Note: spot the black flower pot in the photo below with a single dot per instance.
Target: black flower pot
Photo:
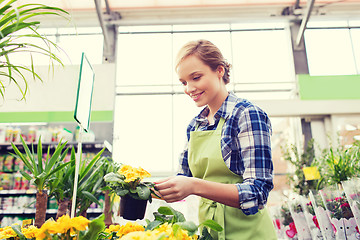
(131, 208)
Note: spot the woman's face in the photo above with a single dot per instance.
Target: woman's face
(202, 84)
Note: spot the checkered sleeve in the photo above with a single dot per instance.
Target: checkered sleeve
(255, 153)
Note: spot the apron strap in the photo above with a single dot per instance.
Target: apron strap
(221, 123)
(215, 211)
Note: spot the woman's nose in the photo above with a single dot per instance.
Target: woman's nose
(189, 88)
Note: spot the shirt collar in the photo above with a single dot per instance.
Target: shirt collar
(224, 111)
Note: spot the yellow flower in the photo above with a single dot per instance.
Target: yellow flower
(128, 228)
(7, 232)
(64, 224)
(131, 174)
(30, 231)
(140, 235)
(50, 227)
(79, 223)
(112, 228)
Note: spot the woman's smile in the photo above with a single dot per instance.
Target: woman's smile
(196, 97)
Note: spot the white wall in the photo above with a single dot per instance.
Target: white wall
(58, 90)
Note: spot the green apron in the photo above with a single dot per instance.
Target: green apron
(206, 162)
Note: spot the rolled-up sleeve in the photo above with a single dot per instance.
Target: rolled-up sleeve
(256, 162)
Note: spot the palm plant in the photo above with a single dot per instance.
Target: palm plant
(18, 32)
(41, 173)
(89, 187)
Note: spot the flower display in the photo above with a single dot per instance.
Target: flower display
(321, 218)
(339, 211)
(352, 192)
(299, 225)
(169, 224)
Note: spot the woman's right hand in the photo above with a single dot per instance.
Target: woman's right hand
(176, 188)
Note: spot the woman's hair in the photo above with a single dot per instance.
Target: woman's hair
(208, 53)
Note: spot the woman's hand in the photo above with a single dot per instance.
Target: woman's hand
(176, 188)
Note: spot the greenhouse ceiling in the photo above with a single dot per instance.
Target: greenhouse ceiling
(147, 12)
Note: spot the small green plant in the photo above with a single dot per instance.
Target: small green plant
(338, 164)
(178, 221)
(300, 160)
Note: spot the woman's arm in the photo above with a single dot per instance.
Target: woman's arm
(176, 188)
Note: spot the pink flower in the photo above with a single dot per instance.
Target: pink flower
(316, 222)
(345, 205)
(338, 199)
(292, 231)
(278, 224)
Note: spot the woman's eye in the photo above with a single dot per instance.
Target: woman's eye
(183, 83)
(196, 78)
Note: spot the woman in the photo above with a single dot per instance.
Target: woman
(227, 160)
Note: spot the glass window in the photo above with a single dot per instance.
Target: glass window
(262, 61)
(144, 59)
(355, 37)
(329, 52)
(74, 45)
(142, 132)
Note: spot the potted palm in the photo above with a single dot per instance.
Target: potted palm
(89, 187)
(41, 172)
(18, 34)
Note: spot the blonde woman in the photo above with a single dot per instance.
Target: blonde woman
(227, 160)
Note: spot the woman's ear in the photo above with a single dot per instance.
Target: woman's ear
(221, 71)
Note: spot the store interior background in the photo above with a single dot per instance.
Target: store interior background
(309, 90)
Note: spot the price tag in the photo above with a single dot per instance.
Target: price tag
(311, 173)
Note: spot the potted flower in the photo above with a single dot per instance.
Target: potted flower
(135, 193)
(322, 218)
(352, 191)
(298, 215)
(339, 212)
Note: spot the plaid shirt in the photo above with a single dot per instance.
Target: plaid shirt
(245, 147)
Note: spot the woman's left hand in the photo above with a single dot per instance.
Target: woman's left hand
(176, 188)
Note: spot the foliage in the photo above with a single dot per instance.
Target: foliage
(339, 164)
(41, 173)
(65, 228)
(18, 32)
(168, 224)
(299, 161)
(128, 181)
(90, 181)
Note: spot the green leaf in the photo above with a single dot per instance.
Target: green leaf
(39, 154)
(17, 230)
(205, 235)
(152, 225)
(143, 192)
(190, 226)
(96, 226)
(91, 197)
(92, 162)
(212, 225)
(113, 177)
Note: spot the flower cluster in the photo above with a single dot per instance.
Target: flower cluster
(132, 174)
(134, 231)
(64, 228)
(7, 232)
(339, 207)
